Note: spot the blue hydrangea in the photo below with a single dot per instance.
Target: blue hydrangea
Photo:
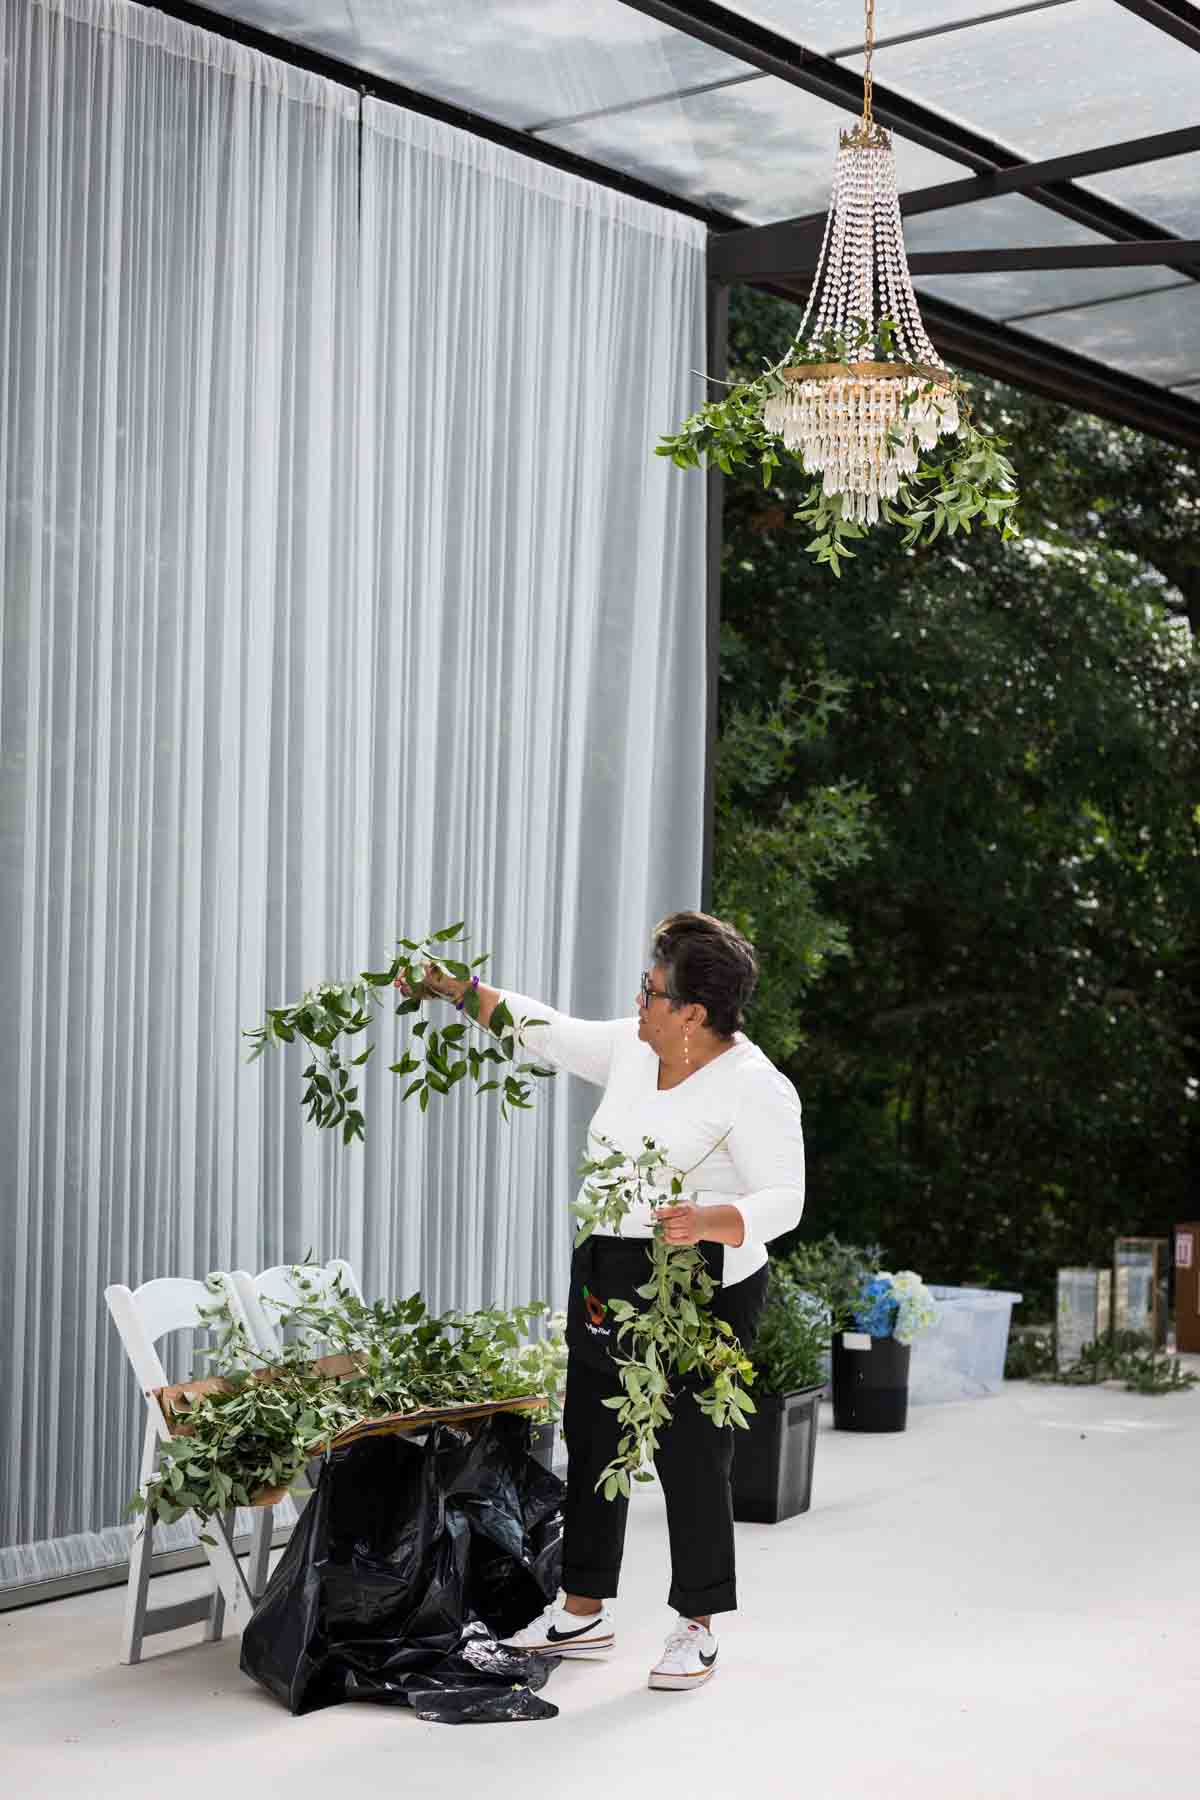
(876, 1307)
(898, 1306)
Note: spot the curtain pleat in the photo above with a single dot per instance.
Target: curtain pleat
(342, 597)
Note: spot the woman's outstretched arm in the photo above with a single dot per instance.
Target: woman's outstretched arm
(582, 1047)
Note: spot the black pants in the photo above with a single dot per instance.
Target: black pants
(694, 1459)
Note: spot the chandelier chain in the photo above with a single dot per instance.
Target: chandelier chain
(875, 396)
(869, 47)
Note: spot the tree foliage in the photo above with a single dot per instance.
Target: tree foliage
(1000, 1065)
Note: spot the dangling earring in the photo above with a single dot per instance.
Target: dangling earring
(687, 1055)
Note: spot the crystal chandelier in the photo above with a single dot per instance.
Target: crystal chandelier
(862, 424)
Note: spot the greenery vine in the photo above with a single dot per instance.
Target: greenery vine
(676, 1334)
(438, 1061)
(1125, 1356)
(963, 478)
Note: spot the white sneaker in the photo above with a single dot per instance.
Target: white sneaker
(688, 1659)
(557, 1632)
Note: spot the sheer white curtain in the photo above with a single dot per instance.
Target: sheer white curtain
(178, 231)
(539, 582)
(341, 598)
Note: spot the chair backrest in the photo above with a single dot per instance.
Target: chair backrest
(171, 1303)
(279, 1284)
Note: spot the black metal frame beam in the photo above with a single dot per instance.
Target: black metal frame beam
(923, 32)
(991, 262)
(1077, 306)
(717, 362)
(1159, 147)
(766, 250)
(1048, 256)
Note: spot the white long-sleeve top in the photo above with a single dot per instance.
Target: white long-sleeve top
(740, 1097)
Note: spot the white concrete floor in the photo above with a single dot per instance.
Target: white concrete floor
(1001, 1604)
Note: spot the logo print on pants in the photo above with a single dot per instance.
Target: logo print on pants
(597, 1312)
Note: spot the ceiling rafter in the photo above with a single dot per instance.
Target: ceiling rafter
(772, 249)
(1048, 256)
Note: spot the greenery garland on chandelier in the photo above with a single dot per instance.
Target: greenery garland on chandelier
(861, 397)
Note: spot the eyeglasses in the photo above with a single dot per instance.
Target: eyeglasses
(649, 993)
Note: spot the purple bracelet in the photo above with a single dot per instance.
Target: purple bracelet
(459, 1004)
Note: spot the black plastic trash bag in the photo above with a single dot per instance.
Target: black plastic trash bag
(408, 1563)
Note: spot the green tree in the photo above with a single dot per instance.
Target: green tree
(781, 845)
(999, 1069)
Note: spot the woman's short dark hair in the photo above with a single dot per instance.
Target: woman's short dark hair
(706, 961)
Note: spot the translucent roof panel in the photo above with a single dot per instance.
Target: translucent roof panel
(833, 25)
(1010, 222)
(763, 150)
(1166, 192)
(516, 61)
(1039, 78)
(1049, 82)
(1157, 337)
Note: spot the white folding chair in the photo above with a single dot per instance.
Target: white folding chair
(257, 1292)
(142, 1316)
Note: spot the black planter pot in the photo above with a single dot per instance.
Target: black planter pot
(773, 1460)
(870, 1385)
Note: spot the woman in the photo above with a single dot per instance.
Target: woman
(685, 1075)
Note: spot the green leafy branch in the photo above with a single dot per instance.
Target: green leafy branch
(675, 1335)
(437, 1061)
(728, 434)
(969, 477)
(1126, 1356)
(259, 1429)
(792, 1342)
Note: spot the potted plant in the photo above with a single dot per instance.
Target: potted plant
(871, 1358)
(834, 1273)
(773, 1458)
(543, 1363)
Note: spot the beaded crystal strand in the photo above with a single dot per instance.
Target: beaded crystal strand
(839, 415)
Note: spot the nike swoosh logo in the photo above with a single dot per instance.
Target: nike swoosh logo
(708, 1661)
(555, 1636)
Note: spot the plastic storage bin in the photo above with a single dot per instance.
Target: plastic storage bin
(961, 1357)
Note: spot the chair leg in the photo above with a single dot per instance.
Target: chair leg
(141, 1548)
(140, 1551)
(215, 1625)
(260, 1550)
